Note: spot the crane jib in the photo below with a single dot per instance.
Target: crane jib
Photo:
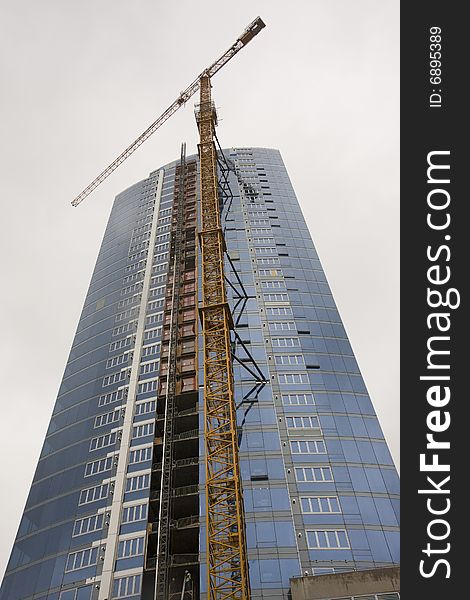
(248, 34)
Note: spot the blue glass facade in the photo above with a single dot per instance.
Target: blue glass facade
(320, 487)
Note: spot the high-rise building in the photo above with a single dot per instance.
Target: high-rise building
(117, 505)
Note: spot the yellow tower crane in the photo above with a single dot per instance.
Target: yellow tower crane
(227, 566)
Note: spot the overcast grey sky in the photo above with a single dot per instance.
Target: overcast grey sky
(80, 80)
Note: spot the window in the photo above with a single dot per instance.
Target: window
(302, 422)
(268, 261)
(143, 229)
(108, 439)
(270, 272)
(126, 314)
(260, 230)
(133, 277)
(150, 334)
(137, 236)
(87, 525)
(313, 474)
(98, 466)
(323, 539)
(127, 301)
(115, 377)
(111, 397)
(123, 328)
(274, 311)
(139, 431)
(138, 256)
(99, 492)
(282, 326)
(149, 367)
(162, 237)
(139, 246)
(132, 288)
(126, 586)
(154, 304)
(149, 350)
(285, 342)
(156, 279)
(147, 386)
(140, 455)
(136, 266)
(117, 360)
(161, 247)
(156, 318)
(108, 418)
(137, 482)
(81, 559)
(296, 399)
(276, 297)
(158, 291)
(289, 359)
(267, 250)
(160, 267)
(273, 285)
(121, 343)
(319, 504)
(145, 407)
(263, 240)
(307, 447)
(293, 378)
(130, 514)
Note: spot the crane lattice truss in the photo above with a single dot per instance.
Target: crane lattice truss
(253, 29)
(227, 568)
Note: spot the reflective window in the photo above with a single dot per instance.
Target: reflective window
(322, 539)
(308, 447)
(297, 399)
(99, 466)
(143, 430)
(137, 482)
(126, 586)
(282, 326)
(131, 547)
(313, 474)
(93, 494)
(81, 559)
(108, 439)
(147, 386)
(289, 359)
(137, 512)
(87, 525)
(285, 342)
(302, 422)
(140, 455)
(111, 397)
(145, 407)
(292, 378)
(319, 504)
(107, 418)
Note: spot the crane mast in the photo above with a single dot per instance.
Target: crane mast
(227, 567)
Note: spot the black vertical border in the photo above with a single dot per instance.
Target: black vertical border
(423, 130)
